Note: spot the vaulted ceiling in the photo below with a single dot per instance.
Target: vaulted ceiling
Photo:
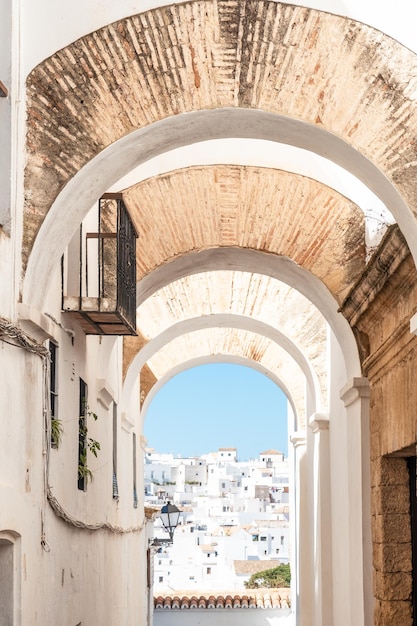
(179, 74)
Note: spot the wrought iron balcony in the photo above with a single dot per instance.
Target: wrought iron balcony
(105, 302)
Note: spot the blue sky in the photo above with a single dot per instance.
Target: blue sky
(218, 405)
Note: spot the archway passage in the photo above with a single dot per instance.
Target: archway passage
(260, 70)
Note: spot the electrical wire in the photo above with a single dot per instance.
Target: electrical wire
(15, 336)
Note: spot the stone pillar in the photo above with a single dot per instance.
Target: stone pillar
(322, 545)
(392, 541)
(301, 579)
(355, 396)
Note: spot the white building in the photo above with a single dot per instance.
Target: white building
(240, 520)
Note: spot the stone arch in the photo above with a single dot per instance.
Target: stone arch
(84, 98)
(259, 262)
(223, 321)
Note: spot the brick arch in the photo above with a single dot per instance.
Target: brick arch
(257, 208)
(259, 332)
(209, 55)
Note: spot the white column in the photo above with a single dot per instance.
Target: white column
(322, 546)
(355, 396)
(302, 591)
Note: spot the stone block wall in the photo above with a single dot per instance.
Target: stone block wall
(379, 309)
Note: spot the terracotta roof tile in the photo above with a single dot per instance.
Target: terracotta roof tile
(255, 599)
(270, 452)
(253, 567)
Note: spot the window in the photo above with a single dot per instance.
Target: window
(263, 538)
(53, 378)
(208, 570)
(135, 493)
(161, 579)
(277, 551)
(82, 429)
(115, 485)
(282, 540)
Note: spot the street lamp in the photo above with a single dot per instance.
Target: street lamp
(170, 516)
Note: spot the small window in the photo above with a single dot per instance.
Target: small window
(82, 436)
(135, 493)
(115, 430)
(161, 579)
(208, 570)
(282, 540)
(53, 378)
(263, 538)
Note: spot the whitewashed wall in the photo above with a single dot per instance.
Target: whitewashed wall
(223, 617)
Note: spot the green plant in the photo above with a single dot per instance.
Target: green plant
(56, 432)
(86, 444)
(279, 576)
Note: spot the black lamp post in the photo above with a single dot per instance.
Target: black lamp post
(170, 516)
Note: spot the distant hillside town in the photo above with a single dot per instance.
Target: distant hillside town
(234, 517)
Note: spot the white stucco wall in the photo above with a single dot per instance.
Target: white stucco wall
(223, 617)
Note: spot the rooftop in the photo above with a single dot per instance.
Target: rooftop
(253, 599)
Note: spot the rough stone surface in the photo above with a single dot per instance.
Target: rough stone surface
(211, 54)
(268, 210)
(389, 287)
(393, 613)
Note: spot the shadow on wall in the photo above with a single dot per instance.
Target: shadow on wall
(223, 617)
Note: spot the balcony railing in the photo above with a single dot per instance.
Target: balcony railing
(106, 262)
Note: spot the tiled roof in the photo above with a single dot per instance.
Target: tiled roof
(208, 547)
(270, 452)
(254, 599)
(150, 512)
(253, 567)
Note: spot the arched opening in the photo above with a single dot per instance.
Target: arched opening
(218, 405)
(218, 437)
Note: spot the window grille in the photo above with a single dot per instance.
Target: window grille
(106, 300)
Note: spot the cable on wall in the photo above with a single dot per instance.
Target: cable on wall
(15, 336)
